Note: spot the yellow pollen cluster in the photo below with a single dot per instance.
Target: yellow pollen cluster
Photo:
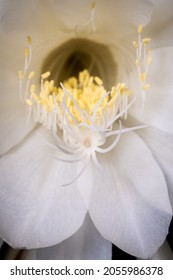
(86, 90)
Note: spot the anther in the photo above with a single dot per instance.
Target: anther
(20, 74)
(45, 75)
(26, 52)
(98, 81)
(29, 102)
(29, 40)
(140, 28)
(31, 75)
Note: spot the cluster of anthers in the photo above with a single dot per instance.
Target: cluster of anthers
(81, 114)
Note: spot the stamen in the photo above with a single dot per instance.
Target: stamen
(91, 22)
(29, 40)
(140, 28)
(74, 102)
(98, 105)
(20, 75)
(45, 75)
(143, 61)
(61, 144)
(121, 113)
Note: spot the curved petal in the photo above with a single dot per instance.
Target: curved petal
(158, 99)
(161, 145)
(23, 15)
(129, 203)
(117, 19)
(35, 209)
(161, 27)
(85, 244)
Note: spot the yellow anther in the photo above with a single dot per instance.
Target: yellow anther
(29, 40)
(122, 87)
(93, 4)
(45, 75)
(146, 41)
(113, 91)
(137, 62)
(51, 86)
(86, 90)
(146, 86)
(149, 59)
(81, 104)
(90, 81)
(135, 44)
(20, 74)
(29, 102)
(140, 28)
(73, 82)
(149, 51)
(26, 52)
(34, 96)
(83, 76)
(143, 76)
(98, 81)
(32, 88)
(31, 75)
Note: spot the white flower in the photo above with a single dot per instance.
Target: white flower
(121, 184)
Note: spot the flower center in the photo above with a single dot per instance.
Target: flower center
(87, 143)
(81, 107)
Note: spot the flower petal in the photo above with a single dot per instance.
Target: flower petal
(35, 209)
(85, 244)
(161, 27)
(113, 19)
(129, 203)
(161, 145)
(22, 15)
(159, 102)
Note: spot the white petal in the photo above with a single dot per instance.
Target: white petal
(85, 244)
(117, 19)
(161, 28)
(159, 102)
(130, 204)
(161, 145)
(113, 19)
(35, 209)
(22, 15)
